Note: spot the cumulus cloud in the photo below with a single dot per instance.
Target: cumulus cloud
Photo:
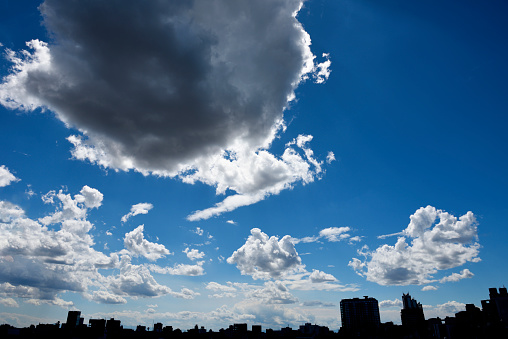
(335, 233)
(273, 293)
(141, 208)
(38, 262)
(106, 297)
(454, 277)
(8, 302)
(6, 177)
(449, 308)
(136, 244)
(332, 234)
(214, 286)
(199, 231)
(391, 303)
(429, 288)
(193, 254)
(318, 276)
(439, 241)
(180, 269)
(264, 257)
(187, 90)
(255, 175)
(314, 303)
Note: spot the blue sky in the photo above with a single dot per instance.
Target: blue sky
(208, 163)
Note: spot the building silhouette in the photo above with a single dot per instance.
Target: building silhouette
(359, 313)
(73, 319)
(411, 314)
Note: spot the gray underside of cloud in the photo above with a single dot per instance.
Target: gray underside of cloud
(167, 87)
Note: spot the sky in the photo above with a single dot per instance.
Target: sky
(213, 162)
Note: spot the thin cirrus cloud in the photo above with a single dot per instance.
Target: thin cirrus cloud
(439, 241)
(178, 89)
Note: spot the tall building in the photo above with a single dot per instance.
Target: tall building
(359, 313)
(412, 313)
(496, 308)
(73, 319)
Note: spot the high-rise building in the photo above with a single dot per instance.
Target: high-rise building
(496, 308)
(73, 319)
(412, 313)
(359, 313)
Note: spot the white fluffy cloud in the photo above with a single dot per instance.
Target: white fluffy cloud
(264, 257)
(180, 269)
(429, 288)
(8, 302)
(6, 177)
(435, 245)
(273, 293)
(188, 90)
(391, 303)
(137, 245)
(332, 234)
(449, 309)
(335, 233)
(40, 259)
(319, 276)
(454, 277)
(141, 208)
(193, 254)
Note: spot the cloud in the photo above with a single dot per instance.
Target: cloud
(273, 293)
(332, 234)
(429, 288)
(199, 231)
(264, 257)
(214, 286)
(136, 280)
(323, 70)
(6, 177)
(141, 208)
(38, 262)
(231, 222)
(106, 297)
(8, 302)
(435, 245)
(136, 244)
(313, 303)
(193, 254)
(180, 269)
(183, 90)
(254, 175)
(319, 276)
(443, 310)
(335, 234)
(391, 303)
(454, 277)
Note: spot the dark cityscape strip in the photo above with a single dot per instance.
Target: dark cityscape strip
(360, 319)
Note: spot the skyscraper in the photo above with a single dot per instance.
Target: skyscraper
(412, 313)
(359, 313)
(73, 319)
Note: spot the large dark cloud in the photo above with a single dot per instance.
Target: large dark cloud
(164, 82)
(175, 88)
